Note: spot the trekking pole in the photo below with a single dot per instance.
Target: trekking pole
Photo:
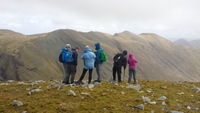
(124, 75)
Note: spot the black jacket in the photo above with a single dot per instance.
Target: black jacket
(120, 60)
(75, 57)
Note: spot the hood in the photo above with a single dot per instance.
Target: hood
(64, 49)
(97, 45)
(87, 48)
(131, 55)
(124, 52)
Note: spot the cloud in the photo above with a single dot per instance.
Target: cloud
(171, 19)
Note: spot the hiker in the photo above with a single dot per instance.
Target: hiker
(75, 50)
(88, 57)
(119, 61)
(70, 63)
(98, 62)
(132, 67)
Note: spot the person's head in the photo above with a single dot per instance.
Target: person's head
(87, 48)
(68, 46)
(97, 46)
(131, 55)
(77, 49)
(125, 52)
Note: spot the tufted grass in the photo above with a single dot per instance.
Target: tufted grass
(103, 98)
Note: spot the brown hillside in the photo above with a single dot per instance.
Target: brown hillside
(35, 57)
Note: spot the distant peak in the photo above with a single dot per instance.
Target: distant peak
(148, 34)
(8, 32)
(124, 32)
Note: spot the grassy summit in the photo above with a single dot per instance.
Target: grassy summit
(47, 97)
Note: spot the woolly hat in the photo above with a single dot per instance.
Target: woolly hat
(68, 46)
(125, 52)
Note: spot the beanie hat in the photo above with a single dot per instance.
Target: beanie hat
(68, 46)
(125, 52)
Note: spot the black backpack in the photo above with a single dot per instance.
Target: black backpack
(60, 57)
(118, 59)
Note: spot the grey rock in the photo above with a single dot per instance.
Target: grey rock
(194, 109)
(71, 93)
(163, 103)
(29, 93)
(162, 98)
(163, 87)
(18, 103)
(172, 111)
(137, 87)
(141, 107)
(10, 81)
(146, 99)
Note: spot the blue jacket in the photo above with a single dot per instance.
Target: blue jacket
(98, 53)
(63, 57)
(88, 57)
(74, 56)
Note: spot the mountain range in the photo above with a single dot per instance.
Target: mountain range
(192, 43)
(35, 57)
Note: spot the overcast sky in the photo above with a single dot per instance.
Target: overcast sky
(171, 19)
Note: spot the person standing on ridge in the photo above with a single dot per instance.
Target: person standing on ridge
(119, 61)
(69, 64)
(75, 62)
(98, 62)
(132, 68)
(88, 57)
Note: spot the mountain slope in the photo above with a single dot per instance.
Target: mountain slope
(34, 57)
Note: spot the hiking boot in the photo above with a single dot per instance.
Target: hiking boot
(72, 82)
(79, 82)
(65, 82)
(97, 81)
(82, 82)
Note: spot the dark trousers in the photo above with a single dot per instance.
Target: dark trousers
(83, 75)
(70, 70)
(118, 70)
(132, 71)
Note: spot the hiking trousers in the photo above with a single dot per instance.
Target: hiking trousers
(118, 70)
(70, 70)
(99, 72)
(83, 75)
(132, 72)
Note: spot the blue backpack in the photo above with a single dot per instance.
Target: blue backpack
(68, 56)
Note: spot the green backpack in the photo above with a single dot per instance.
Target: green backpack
(103, 56)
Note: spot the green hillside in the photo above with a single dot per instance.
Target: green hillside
(49, 97)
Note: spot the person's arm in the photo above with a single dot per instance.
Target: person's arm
(135, 60)
(125, 62)
(115, 57)
(98, 54)
(75, 58)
